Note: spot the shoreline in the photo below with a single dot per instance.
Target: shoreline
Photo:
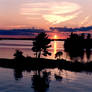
(39, 64)
(29, 39)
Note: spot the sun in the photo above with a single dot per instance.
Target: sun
(55, 37)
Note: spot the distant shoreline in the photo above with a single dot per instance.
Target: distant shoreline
(28, 39)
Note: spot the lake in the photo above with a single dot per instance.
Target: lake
(48, 80)
(9, 47)
(17, 81)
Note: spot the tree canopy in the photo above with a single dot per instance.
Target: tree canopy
(41, 44)
(58, 54)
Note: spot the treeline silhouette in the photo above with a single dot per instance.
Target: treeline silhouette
(76, 45)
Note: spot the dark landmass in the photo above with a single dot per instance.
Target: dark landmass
(39, 64)
(27, 32)
(28, 39)
(58, 39)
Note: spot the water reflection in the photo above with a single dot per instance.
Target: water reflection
(80, 55)
(55, 47)
(40, 79)
(30, 81)
(18, 74)
(58, 77)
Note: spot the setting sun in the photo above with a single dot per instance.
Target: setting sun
(55, 37)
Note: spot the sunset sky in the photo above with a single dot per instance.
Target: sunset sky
(45, 13)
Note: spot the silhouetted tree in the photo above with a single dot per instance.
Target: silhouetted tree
(41, 45)
(75, 45)
(19, 55)
(82, 36)
(88, 41)
(88, 52)
(89, 36)
(58, 54)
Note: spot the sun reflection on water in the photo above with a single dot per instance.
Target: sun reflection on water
(55, 47)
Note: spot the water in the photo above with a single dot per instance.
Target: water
(56, 80)
(70, 82)
(8, 48)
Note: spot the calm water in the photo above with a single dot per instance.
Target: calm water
(55, 81)
(13, 81)
(8, 48)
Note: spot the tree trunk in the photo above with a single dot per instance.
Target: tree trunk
(39, 54)
(36, 54)
(59, 57)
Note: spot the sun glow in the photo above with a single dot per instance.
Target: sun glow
(55, 37)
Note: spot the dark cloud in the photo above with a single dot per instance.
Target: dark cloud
(21, 31)
(65, 29)
(33, 31)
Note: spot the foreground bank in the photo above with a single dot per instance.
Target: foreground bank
(39, 64)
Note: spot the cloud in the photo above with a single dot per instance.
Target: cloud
(65, 7)
(85, 20)
(27, 32)
(34, 8)
(54, 12)
(65, 29)
(54, 19)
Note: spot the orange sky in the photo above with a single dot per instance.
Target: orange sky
(45, 13)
